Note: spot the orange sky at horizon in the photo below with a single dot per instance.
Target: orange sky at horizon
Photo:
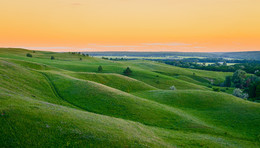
(131, 25)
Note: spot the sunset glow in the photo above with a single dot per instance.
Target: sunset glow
(131, 25)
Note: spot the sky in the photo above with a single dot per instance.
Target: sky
(131, 25)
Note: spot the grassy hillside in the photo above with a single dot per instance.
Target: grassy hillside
(32, 123)
(176, 71)
(117, 81)
(144, 70)
(20, 80)
(104, 100)
(222, 110)
(65, 102)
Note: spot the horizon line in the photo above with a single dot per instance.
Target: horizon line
(80, 50)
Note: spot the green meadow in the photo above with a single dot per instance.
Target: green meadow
(67, 102)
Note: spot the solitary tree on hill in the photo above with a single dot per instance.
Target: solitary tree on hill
(52, 58)
(127, 71)
(29, 55)
(100, 69)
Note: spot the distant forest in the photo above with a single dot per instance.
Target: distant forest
(252, 67)
(247, 61)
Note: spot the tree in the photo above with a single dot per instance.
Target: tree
(29, 55)
(80, 59)
(228, 81)
(225, 64)
(257, 91)
(239, 78)
(100, 69)
(217, 64)
(127, 71)
(216, 89)
(172, 87)
(52, 58)
(252, 90)
(238, 93)
(257, 72)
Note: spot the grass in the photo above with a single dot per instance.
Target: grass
(222, 110)
(32, 123)
(104, 100)
(66, 103)
(117, 81)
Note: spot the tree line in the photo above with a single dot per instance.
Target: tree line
(253, 68)
(250, 84)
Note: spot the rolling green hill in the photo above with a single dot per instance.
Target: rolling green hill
(220, 109)
(66, 102)
(117, 81)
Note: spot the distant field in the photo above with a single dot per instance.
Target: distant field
(137, 57)
(133, 57)
(158, 57)
(214, 63)
(250, 55)
(67, 102)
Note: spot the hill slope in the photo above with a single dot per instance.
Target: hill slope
(64, 102)
(219, 109)
(32, 123)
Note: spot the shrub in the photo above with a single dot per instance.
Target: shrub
(238, 93)
(127, 71)
(52, 58)
(223, 90)
(100, 69)
(216, 89)
(222, 84)
(80, 59)
(173, 87)
(29, 55)
(104, 58)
